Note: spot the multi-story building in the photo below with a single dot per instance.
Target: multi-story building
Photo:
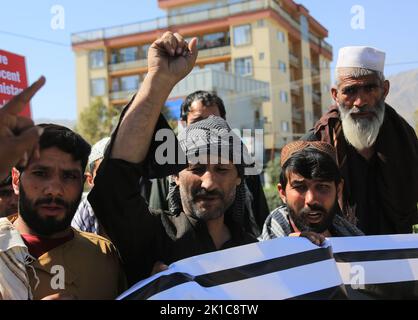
(276, 42)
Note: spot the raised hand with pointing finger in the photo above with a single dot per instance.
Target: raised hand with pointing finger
(18, 135)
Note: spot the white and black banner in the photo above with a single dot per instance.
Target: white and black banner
(366, 267)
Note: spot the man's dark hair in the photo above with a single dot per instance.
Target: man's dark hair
(6, 181)
(65, 140)
(207, 98)
(311, 163)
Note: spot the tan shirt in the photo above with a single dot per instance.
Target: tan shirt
(86, 267)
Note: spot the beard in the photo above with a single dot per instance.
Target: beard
(210, 210)
(49, 225)
(362, 133)
(300, 218)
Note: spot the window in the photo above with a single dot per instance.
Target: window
(128, 83)
(283, 96)
(281, 37)
(98, 87)
(213, 40)
(97, 59)
(282, 66)
(306, 63)
(261, 56)
(228, 66)
(115, 85)
(128, 54)
(216, 66)
(114, 57)
(244, 66)
(242, 35)
(304, 27)
(285, 126)
(143, 51)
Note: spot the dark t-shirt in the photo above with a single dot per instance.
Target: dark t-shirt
(363, 189)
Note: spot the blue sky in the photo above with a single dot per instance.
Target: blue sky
(389, 25)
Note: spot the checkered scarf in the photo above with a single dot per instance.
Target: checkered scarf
(203, 137)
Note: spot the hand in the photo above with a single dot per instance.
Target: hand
(158, 267)
(315, 238)
(18, 135)
(171, 57)
(60, 296)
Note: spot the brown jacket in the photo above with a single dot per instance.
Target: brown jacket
(90, 265)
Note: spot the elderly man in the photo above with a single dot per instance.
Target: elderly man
(310, 183)
(377, 151)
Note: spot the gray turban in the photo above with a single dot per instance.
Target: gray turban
(213, 136)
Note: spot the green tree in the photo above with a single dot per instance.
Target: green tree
(97, 121)
(273, 170)
(169, 117)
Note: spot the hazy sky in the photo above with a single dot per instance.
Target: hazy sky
(25, 29)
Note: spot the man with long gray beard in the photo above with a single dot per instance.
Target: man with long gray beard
(377, 151)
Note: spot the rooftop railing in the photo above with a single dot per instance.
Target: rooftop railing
(186, 18)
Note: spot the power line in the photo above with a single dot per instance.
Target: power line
(254, 66)
(34, 38)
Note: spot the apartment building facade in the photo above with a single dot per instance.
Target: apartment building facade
(276, 42)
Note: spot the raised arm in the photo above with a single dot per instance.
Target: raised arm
(18, 135)
(170, 59)
(115, 197)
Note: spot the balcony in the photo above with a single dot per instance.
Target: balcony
(210, 80)
(320, 42)
(315, 70)
(326, 45)
(295, 87)
(214, 52)
(142, 63)
(121, 95)
(316, 97)
(294, 60)
(297, 115)
(128, 65)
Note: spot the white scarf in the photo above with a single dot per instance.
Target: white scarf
(14, 258)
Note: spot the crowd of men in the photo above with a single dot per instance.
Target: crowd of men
(355, 173)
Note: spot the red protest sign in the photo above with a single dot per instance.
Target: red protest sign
(13, 78)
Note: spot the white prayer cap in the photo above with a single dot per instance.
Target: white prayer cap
(361, 57)
(97, 151)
